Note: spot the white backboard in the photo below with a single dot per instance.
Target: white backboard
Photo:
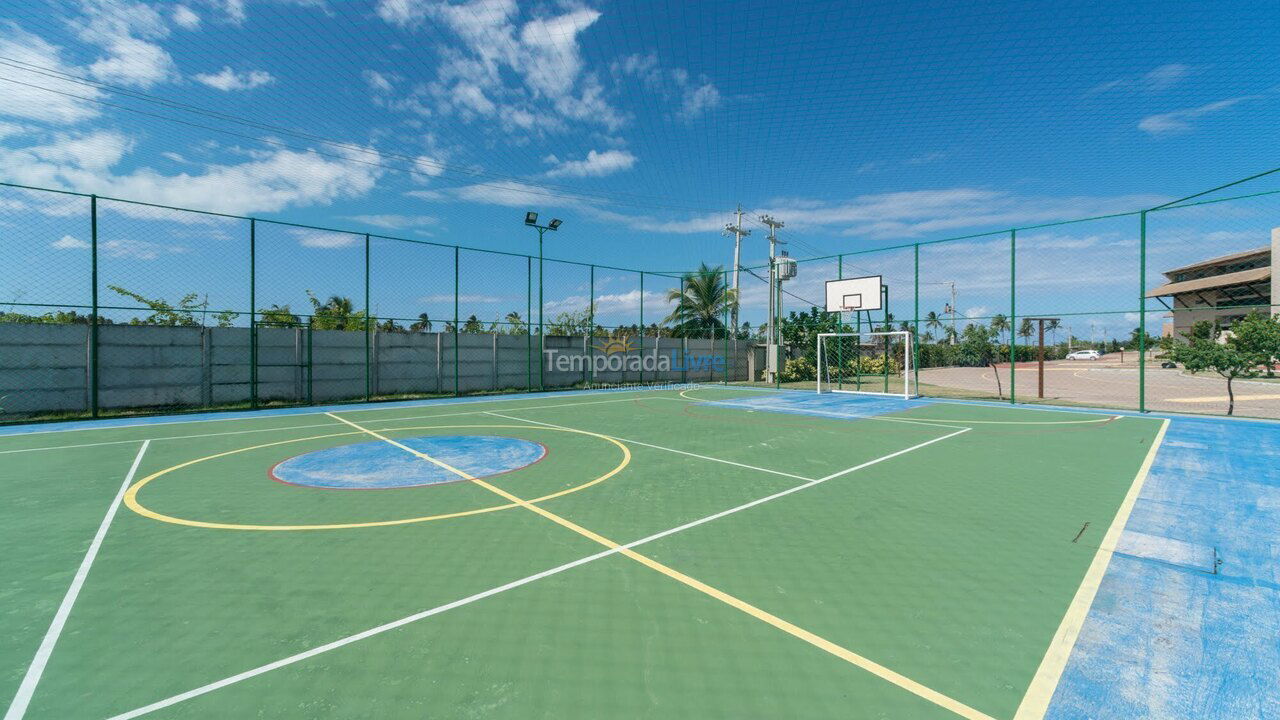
(861, 293)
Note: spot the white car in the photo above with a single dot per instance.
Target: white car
(1084, 355)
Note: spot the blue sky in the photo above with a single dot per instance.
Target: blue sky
(860, 125)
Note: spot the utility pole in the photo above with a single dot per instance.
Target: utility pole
(775, 337)
(738, 234)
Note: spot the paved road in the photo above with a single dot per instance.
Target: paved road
(1112, 384)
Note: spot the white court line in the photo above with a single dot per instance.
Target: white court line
(299, 427)
(386, 627)
(22, 699)
(801, 410)
(1035, 702)
(659, 447)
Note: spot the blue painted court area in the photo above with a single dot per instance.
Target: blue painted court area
(822, 405)
(1187, 621)
(379, 465)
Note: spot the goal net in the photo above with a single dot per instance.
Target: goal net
(868, 363)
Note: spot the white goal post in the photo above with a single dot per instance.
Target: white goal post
(867, 363)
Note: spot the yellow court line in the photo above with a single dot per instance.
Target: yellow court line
(845, 654)
(131, 497)
(1035, 703)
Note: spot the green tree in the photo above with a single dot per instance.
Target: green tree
(999, 325)
(1228, 359)
(801, 330)
(515, 323)
(277, 315)
(1258, 334)
(932, 321)
(472, 325)
(336, 313)
(1051, 326)
(977, 348)
(701, 302)
(571, 323)
(422, 324)
(1025, 330)
(181, 315)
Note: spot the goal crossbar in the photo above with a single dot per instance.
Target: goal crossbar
(867, 363)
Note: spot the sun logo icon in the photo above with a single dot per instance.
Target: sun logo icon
(615, 344)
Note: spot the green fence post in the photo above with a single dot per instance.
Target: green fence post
(253, 313)
(887, 326)
(311, 363)
(528, 324)
(1142, 312)
(684, 337)
(93, 314)
(591, 326)
(542, 335)
(368, 316)
(1013, 316)
(456, 386)
(641, 327)
(839, 329)
(915, 340)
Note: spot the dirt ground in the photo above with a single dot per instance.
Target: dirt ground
(1111, 383)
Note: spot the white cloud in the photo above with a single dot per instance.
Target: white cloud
(504, 72)
(121, 247)
(126, 31)
(596, 164)
(380, 82)
(699, 100)
(395, 222)
(696, 98)
(1157, 80)
(67, 242)
(324, 239)
(402, 12)
(270, 181)
(425, 166)
(1180, 121)
(185, 17)
(33, 103)
(228, 79)
(510, 193)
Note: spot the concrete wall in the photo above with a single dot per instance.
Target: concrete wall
(45, 368)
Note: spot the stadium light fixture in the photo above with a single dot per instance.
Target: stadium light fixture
(531, 218)
(554, 224)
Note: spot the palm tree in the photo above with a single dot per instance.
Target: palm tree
(1052, 326)
(515, 323)
(932, 321)
(1025, 330)
(423, 324)
(702, 301)
(999, 325)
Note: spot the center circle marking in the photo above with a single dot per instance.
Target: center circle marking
(131, 495)
(378, 465)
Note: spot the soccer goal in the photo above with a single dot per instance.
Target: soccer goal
(867, 363)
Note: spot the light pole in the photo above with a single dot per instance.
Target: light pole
(531, 219)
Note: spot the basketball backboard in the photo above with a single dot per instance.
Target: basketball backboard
(854, 294)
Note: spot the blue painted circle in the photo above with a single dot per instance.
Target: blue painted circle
(377, 465)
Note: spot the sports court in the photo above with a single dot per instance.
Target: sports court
(694, 551)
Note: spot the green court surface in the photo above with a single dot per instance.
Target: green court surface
(709, 552)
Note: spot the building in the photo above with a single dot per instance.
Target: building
(1222, 289)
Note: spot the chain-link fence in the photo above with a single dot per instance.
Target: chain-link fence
(114, 307)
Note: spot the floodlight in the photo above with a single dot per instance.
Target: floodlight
(555, 224)
(530, 218)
